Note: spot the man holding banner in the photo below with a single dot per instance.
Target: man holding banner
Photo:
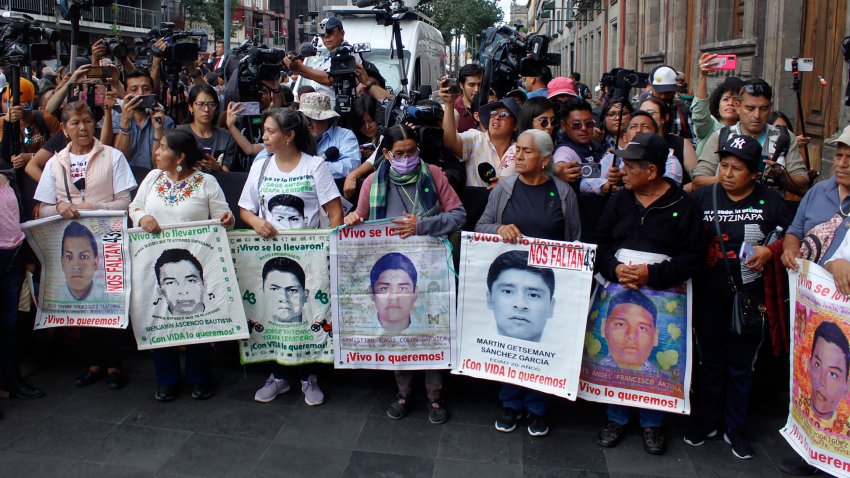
(653, 215)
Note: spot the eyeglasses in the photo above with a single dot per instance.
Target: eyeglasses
(501, 115)
(758, 89)
(210, 105)
(616, 114)
(545, 122)
(406, 154)
(577, 125)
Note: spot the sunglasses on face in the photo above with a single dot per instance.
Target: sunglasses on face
(577, 125)
(545, 122)
(501, 115)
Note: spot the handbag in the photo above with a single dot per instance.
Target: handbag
(748, 307)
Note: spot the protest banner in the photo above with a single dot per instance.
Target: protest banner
(818, 426)
(522, 311)
(637, 348)
(84, 269)
(184, 287)
(394, 303)
(285, 286)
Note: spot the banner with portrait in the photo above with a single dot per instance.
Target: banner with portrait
(394, 303)
(637, 347)
(85, 269)
(185, 289)
(522, 309)
(818, 426)
(285, 287)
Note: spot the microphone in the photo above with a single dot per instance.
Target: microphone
(331, 154)
(780, 149)
(486, 172)
(367, 3)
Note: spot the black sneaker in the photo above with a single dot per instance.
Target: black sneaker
(697, 435)
(437, 413)
(797, 466)
(166, 393)
(507, 422)
(537, 426)
(740, 446)
(610, 434)
(202, 391)
(398, 408)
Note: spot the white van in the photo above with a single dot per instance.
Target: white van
(422, 42)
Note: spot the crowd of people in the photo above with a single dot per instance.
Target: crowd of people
(657, 174)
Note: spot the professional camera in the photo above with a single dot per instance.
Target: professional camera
(344, 73)
(143, 53)
(116, 48)
(620, 81)
(20, 39)
(591, 170)
(426, 121)
(509, 55)
(182, 46)
(257, 65)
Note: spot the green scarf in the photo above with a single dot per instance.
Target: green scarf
(426, 193)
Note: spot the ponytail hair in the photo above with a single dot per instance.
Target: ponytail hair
(290, 120)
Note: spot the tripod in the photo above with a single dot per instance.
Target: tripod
(797, 86)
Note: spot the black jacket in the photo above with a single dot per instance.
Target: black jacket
(672, 226)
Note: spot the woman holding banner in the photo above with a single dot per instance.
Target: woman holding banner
(290, 169)
(88, 175)
(175, 192)
(738, 215)
(419, 196)
(524, 205)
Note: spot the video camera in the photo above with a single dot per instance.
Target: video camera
(182, 46)
(344, 73)
(513, 55)
(116, 48)
(259, 63)
(20, 39)
(620, 81)
(426, 121)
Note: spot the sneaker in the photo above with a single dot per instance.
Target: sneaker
(610, 434)
(437, 413)
(202, 391)
(507, 422)
(398, 408)
(271, 389)
(537, 426)
(697, 435)
(313, 395)
(798, 467)
(653, 440)
(166, 393)
(740, 446)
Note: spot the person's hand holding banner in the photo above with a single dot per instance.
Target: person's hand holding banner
(149, 224)
(353, 219)
(227, 220)
(406, 226)
(67, 210)
(510, 233)
(262, 227)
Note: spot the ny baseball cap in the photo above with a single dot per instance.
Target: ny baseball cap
(745, 148)
(331, 22)
(646, 147)
(664, 80)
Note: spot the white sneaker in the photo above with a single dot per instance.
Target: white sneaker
(312, 393)
(271, 389)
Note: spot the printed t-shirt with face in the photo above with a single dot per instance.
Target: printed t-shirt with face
(749, 219)
(310, 180)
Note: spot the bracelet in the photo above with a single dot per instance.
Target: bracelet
(370, 85)
(350, 178)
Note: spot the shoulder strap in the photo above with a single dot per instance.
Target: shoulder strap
(260, 183)
(41, 125)
(65, 179)
(725, 259)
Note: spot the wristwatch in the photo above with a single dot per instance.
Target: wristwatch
(370, 85)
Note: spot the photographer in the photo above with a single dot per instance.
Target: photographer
(333, 38)
(469, 80)
(139, 130)
(157, 49)
(536, 85)
(664, 87)
(575, 145)
(35, 127)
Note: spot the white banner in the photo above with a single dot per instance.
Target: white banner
(394, 302)
(818, 426)
(84, 270)
(522, 311)
(637, 349)
(285, 286)
(185, 289)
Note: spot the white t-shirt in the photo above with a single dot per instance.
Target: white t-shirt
(311, 181)
(122, 175)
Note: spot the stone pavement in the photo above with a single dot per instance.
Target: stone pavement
(98, 432)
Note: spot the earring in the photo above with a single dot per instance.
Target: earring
(287, 143)
(179, 168)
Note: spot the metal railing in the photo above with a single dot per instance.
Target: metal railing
(127, 16)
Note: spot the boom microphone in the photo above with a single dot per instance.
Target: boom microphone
(486, 172)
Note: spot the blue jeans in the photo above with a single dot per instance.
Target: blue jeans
(521, 398)
(648, 418)
(198, 364)
(11, 278)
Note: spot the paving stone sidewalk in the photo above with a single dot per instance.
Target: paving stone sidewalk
(95, 431)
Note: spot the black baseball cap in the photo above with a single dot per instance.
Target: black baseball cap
(332, 23)
(745, 148)
(646, 147)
